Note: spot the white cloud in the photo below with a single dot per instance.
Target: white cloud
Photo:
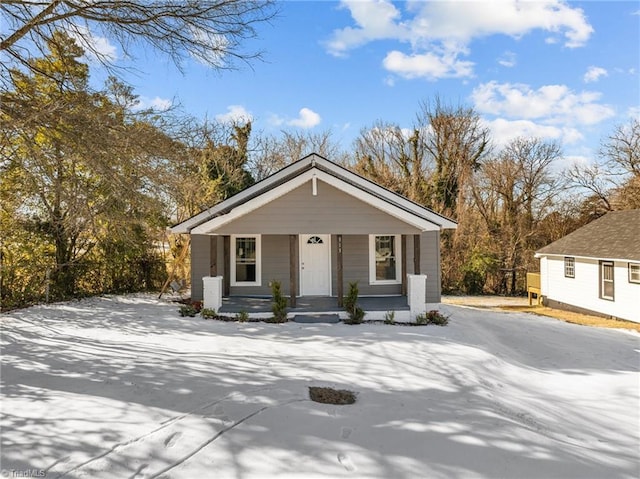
(508, 59)
(440, 32)
(235, 114)
(375, 20)
(96, 48)
(594, 73)
(157, 103)
(467, 20)
(553, 104)
(428, 65)
(503, 131)
(307, 118)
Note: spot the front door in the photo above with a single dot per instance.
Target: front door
(315, 265)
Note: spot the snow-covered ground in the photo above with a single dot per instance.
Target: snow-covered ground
(122, 387)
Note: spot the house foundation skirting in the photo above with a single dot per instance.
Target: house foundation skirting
(552, 303)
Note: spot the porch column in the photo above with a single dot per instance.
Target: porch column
(293, 269)
(226, 243)
(339, 273)
(416, 254)
(213, 256)
(417, 295)
(403, 290)
(212, 292)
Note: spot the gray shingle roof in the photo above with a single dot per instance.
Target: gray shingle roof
(616, 235)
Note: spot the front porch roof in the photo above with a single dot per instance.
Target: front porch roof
(314, 168)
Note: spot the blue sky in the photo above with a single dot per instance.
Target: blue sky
(565, 71)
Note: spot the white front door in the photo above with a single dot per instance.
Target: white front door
(315, 265)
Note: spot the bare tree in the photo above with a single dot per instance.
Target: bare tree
(622, 149)
(596, 181)
(513, 192)
(211, 31)
(614, 182)
(456, 143)
(394, 158)
(270, 153)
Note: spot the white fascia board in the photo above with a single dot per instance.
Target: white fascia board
(595, 258)
(188, 225)
(443, 222)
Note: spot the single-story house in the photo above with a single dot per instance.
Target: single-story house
(595, 269)
(315, 226)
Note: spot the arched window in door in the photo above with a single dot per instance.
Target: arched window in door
(315, 240)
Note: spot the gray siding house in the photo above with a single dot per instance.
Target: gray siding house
(315, 226)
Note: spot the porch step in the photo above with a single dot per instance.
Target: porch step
(316, 318)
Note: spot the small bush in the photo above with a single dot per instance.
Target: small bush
(242, 316)
(356, 313)
(436, 317)
(432, 317)
(208, 313)
(389, 317)
(188, 310)
(279, 304)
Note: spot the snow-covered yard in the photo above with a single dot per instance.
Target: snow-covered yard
(122, 387)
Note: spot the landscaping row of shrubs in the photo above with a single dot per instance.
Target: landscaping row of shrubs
(279, 310)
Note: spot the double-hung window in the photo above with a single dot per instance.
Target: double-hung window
(245, 260)
(385, 259)
(606, 280)
(569, 267)
(634, 272)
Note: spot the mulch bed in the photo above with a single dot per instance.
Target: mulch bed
(331, 396)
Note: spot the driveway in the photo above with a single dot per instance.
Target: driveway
(123, 387)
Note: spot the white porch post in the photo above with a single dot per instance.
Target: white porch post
(212, 292)
(417, 294)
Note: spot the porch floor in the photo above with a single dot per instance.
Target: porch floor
(312, 304)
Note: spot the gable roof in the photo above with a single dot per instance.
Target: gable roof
(288, 177)
(615, 235)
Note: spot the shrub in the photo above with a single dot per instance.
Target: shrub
(279, 303)
(389, 317)
(242, 316)
(356, 313)
(188, 310)
(436, 317)
(208, 313)
(432, 317)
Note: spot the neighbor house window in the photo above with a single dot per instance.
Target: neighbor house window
(245, 260)
(634, 272)
(606, 280)
(384, 259)
(569, 267)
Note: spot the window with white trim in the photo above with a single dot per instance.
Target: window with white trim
(634, 272)
(569, 267)
(606, 280)
(246, 260)
(385, 259)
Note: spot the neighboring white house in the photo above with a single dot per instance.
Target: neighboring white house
(596, 268)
